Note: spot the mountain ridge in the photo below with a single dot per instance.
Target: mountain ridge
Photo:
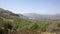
(35, 15)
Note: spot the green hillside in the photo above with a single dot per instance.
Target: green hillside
(10, 22)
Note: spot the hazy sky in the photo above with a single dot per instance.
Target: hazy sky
(32, 6)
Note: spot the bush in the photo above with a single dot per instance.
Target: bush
(8, 25)
(34, 26)
(58, 24)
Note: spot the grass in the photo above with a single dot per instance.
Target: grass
(19, 24)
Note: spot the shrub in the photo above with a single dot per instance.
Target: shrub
(58, 24)
(34, 26)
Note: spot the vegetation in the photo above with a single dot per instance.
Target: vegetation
(10, 22)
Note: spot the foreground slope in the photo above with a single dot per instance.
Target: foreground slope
(9, 20)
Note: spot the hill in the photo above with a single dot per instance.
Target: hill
(11, 23)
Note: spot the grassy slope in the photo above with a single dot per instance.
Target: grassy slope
(19, 24)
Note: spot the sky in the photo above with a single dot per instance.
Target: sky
(32, 6)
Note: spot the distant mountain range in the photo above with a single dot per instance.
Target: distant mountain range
(35, 16)
(39, 16)
(30, 15)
